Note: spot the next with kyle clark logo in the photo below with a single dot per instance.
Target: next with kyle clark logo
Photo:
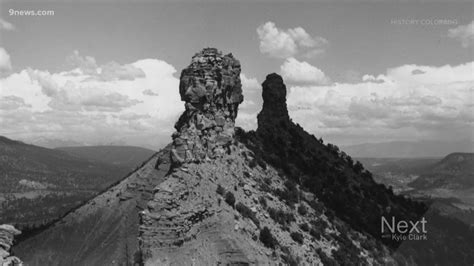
(401, 230)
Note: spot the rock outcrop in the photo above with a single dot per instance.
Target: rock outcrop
(274, 108)
(211, 89)
(7, 234)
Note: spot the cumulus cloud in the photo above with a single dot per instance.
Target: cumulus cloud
(86, 64)
(108, 72)
(249, 84)
(417, 72)
(280, 43)
(302, 72)
(12, 103)
(48, 86)
(247, 121)
(150, 93)
(402, 103)
(5, 25)
(92, 103)
(5, 63)
(111, 101)
(72, 98)
(373, 79)
(114, 71)
(464, 34)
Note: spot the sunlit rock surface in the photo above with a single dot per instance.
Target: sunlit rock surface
(211, 89)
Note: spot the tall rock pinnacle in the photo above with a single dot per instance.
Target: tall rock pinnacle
(274, 102)
(211, 89)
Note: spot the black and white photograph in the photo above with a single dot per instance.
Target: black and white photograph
(236, 132)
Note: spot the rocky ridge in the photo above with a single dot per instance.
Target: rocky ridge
(7, 234)
(187, 221)
(190, 221)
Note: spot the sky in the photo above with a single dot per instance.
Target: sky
(107, 72)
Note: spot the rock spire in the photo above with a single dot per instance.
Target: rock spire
(274, 108)
(211, 89)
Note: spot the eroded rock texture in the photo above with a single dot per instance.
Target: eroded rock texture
(188, 223)
(7, 234)
(212, 90)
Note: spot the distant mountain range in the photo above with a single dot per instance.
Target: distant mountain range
(128, 156)
(38, 184)
(52, 143)
(408, 149)
(33, 163)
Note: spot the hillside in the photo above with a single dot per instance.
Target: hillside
(109, 221)
(456, 163)
(123, 156)
(38, 184)
(217, 212)
(23, 161)
(221, 231)
(455, 171)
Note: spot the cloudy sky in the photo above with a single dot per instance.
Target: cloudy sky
(101, 73)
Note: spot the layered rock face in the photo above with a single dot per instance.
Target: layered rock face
(7, 233)
(212, 90)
